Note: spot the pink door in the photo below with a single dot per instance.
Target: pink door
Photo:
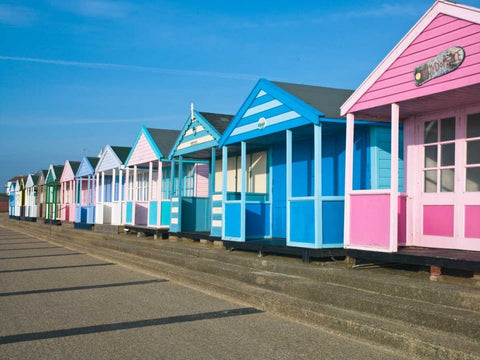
(447, 210)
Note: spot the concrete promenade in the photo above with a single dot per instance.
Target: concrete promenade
(363, 313)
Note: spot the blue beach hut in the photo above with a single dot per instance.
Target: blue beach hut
(197, 206)
(283, 169)
(85, 193)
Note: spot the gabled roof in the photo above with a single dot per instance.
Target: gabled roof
(201, 132)
(160, 142)
(121, 152)
(218, 121)
(87, 166)
(55, 171)
(164, 139)
(272, 107)
(74, 165)
(325, 99)
(439, 7)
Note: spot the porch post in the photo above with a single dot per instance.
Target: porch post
(102, 189)
(159, 192)
(243, 188)
(112, 189)
(180, 191)
(318, 184)
(348, 178)
(288, 178)
(211, 184)
(121, 189)
(224, 186)
(150, 178)
(127, 184)
(134, 194)
(172, 177)
(394, 179)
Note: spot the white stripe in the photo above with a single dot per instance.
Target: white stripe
(217, 223)
(200, 140)
(217, 210)
(174, 221)
(261, 93)
(217, 197)
(174, 210)
(263, 107)
(270, 121)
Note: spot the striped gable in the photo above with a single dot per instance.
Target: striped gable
(86, 167)
(109, 160)
(198, 133)
(267, 110)
(69, 170)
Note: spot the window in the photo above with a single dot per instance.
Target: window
(166, 183)
(439, 155)
(188, 179)
(473, 153)
(142, 185)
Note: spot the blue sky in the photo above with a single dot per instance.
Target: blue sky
(76, 75)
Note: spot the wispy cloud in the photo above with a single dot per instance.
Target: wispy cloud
(156, 70)
(82, 121)
(16, 15)
(95, 8)
(384, 10)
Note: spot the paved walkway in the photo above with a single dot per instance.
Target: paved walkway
(58, 304)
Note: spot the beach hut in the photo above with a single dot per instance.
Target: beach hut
(430, 82)
(52, 194)
(110, 178)
(31, 197)
(197, 206)
(149, 181)
(85, 193)
(12, 197)
(42, 176)
(283, 169)
(67, 196)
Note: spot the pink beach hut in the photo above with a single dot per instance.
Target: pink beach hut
(67, 194)
(430, 82)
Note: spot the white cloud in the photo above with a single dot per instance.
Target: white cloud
(16, 15)
(157, 70)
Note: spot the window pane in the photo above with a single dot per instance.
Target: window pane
(447, 180)
(430, 156)
(473, 179)
(473, 152)
(431, 181)
(448, 154)
(448, 129)
(473, 125)
(431, 131)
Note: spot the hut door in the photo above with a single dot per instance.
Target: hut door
(449, 182)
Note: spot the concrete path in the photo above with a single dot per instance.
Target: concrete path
(59, 304)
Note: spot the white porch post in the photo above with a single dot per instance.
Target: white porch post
(102, 189)
(243, 188)
(150, 178)
(159, 192)
(348, 178)
(127, 184)
(112, 189)
(394, 179)
(121, 189)
(318, 184)
(288, 178)
(224, 186)
(135, 193)
(180, 191)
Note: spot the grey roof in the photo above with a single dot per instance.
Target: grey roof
(218, 121)
(35, 178)
(325, 99)
(74, 165)
(164, 139)
(58, 169)
(122, 152)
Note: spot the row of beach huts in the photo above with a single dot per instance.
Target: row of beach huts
(388, 172)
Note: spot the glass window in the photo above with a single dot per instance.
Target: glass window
(447, 180)
(430, 181)
(448, 154)
(431, 131)
(473, 125)
(447, 127)
(473, 152)
(473, 179)
(430, 156)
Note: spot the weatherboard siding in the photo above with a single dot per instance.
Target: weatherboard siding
(109, 161)
(397, 82)
(201, 180)
(142, 152)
